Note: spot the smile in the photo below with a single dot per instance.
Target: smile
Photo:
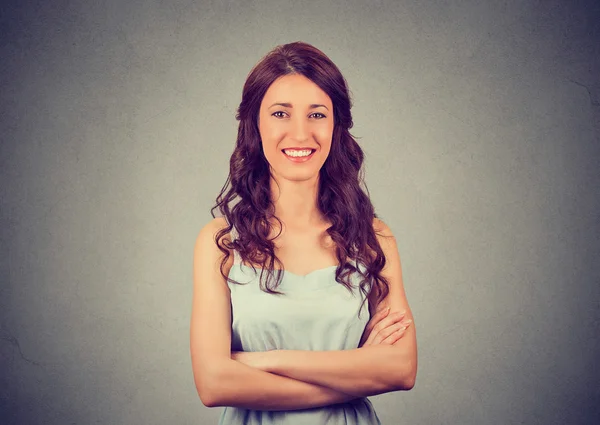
(298, 155)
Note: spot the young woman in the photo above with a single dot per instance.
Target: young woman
(299, 311)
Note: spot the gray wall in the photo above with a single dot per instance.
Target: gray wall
(481, 125)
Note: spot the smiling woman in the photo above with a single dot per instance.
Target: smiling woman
(298, 131)
(299, 311)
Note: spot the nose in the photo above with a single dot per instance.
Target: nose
(299, 130)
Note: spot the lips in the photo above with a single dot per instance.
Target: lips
(299, 158)
(295, 148)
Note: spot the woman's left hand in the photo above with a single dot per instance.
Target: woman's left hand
(385, 328)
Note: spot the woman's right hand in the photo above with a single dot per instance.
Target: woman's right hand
(385, 328)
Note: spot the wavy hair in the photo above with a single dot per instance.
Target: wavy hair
(245, 199)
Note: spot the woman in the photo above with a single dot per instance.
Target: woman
(284, 280)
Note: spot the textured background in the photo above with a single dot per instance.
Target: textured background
(481, 124)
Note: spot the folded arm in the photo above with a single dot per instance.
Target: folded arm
(363, 371)
(221, 381)
(235, 384)
(299, 379)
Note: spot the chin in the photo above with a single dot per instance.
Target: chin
(301, 178)
(298, 176)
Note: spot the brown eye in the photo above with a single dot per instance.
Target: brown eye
(278, 112)
(320, 117)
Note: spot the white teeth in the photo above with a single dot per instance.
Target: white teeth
(298, 153)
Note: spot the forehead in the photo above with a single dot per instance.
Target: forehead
(295, 89)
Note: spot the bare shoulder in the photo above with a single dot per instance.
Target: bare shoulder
(210, 230)
(206, 242)
(384, 234)
(387, 241)
(208, 256)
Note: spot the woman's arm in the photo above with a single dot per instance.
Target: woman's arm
(364, 371)
(219, 379)
(236, 384)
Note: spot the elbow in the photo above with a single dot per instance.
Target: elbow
(205, 398)
(206, 393)
(406, 378)
(410, 375)
(405, 382)
(208, 389)
(405, 368)
(409, 382)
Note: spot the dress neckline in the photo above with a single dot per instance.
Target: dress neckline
(287, 272)
(319, 279)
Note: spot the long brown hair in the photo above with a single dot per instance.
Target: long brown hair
(245, 199)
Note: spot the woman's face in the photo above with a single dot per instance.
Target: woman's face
(295, 119)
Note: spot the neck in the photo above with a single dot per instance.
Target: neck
(296, 202)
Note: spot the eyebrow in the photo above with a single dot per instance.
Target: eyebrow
(289, 105)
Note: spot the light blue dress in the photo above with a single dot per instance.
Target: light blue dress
(316, 313)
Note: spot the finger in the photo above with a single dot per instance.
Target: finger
(395, 336)
(390, 320)
(390, 330)
(374, 333)
(383, 310)
(381, 322)
(377, 317)
(399, 333)
(384, 334)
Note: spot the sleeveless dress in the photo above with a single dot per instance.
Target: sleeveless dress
(316, 313)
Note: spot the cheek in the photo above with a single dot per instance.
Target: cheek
(267, 138)
(270, 144)
(324, 136)
(271, 134)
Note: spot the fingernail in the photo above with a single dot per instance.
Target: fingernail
(406, 322)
